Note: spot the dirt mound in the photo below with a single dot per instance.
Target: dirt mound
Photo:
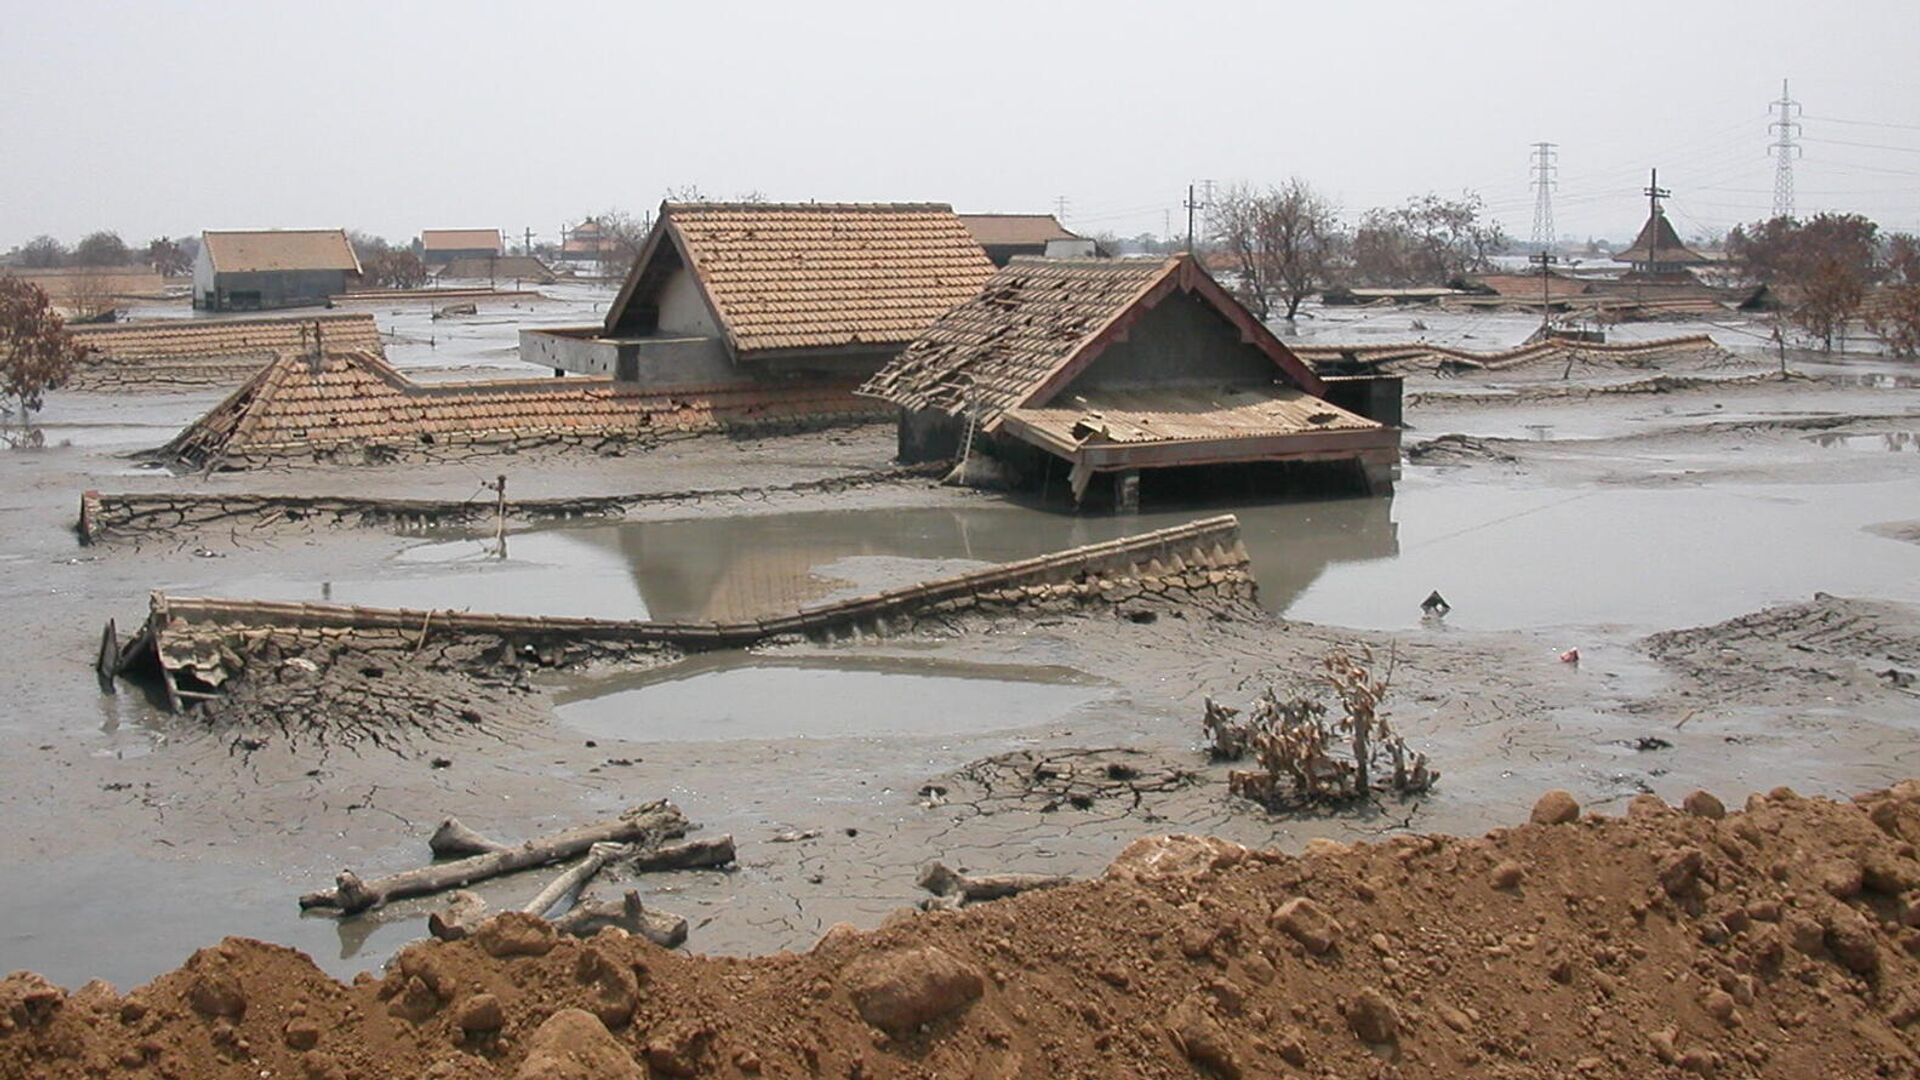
(1777, 941)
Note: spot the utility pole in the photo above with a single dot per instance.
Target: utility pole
(1544, 166)
(1060, 208)
(529, 242)
(1544, 259)
(1192, 204)
(1785, 129)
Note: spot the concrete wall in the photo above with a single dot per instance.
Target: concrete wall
(683, 313)
(267, 290)
(659, 363)
(1183, 340)
(1376, 397)
(203, 278)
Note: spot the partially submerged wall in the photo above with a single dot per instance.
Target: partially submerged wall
(134, 516)
(198, 645)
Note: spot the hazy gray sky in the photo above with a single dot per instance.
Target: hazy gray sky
(152, 118)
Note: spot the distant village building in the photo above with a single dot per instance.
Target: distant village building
(585, 242)
(521, 268)
(1657, 252)
(272, 268)
(1006, 235)
(779, 294)
(1123, 366)
(442, 246)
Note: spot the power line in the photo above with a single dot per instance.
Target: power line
(1867, 145)
(1785, 130)
(1865, 123)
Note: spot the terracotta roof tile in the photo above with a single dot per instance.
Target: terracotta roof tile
(295, 407)
(179, 352)
(993, 230)
(461, 240)
(1025, 322)
(826, 275)
(242, 252)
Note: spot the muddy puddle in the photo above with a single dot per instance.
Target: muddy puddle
(731, 697)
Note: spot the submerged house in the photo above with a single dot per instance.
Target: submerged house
(1005, 236)
(1144, 370)
(257, 269)
(441, 246)
(779, 296)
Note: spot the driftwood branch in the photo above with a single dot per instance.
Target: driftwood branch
(454, 840)
(587, 918)
(647, 825)
(687, 855)
(574, 879)
(937, 879)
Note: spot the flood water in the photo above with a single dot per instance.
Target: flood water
(723, 698)
(1506, 554)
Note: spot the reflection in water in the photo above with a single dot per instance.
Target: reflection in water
(1895, 441)
(738, 568)
(727, 696)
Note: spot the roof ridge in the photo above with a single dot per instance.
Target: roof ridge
(785, 206)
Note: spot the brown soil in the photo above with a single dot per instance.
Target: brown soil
(1774, 942)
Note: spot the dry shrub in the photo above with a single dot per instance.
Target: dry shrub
(1302, 756)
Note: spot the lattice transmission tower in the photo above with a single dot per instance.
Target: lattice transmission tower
(1785, 129)
(1545, 168)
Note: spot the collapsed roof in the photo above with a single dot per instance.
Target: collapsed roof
(1039, 322)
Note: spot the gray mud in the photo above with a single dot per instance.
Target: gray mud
(1677, 540)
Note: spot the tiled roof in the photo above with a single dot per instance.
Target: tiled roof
(203, 339)
(296, 407)
(173, 354)
(993, 230)
(1527, 287)
(1692, 349)
(1182, 414)
(1658, 243)
(816, 275)
(241, 252)
(460, 239)
(1031, 321)
(475, 268)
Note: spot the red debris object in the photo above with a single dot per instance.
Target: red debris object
(1571, 656)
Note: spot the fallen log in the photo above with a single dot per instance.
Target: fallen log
(589, 917)
(648, 825)
(937, 879)
(688, 855)
(454, 840)
(574, 879)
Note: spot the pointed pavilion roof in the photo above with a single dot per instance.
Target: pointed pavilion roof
(1659, 245)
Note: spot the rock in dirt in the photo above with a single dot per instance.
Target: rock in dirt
(898, 992)
(1704, 804)
(1372, 1016)
(1556, 807)
(1508, 875)
(1850, 938)
(1308, 923)
(516, 933)
(1202, 1038)
(479, 1014)
(573, 1045)
(1176, 856)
